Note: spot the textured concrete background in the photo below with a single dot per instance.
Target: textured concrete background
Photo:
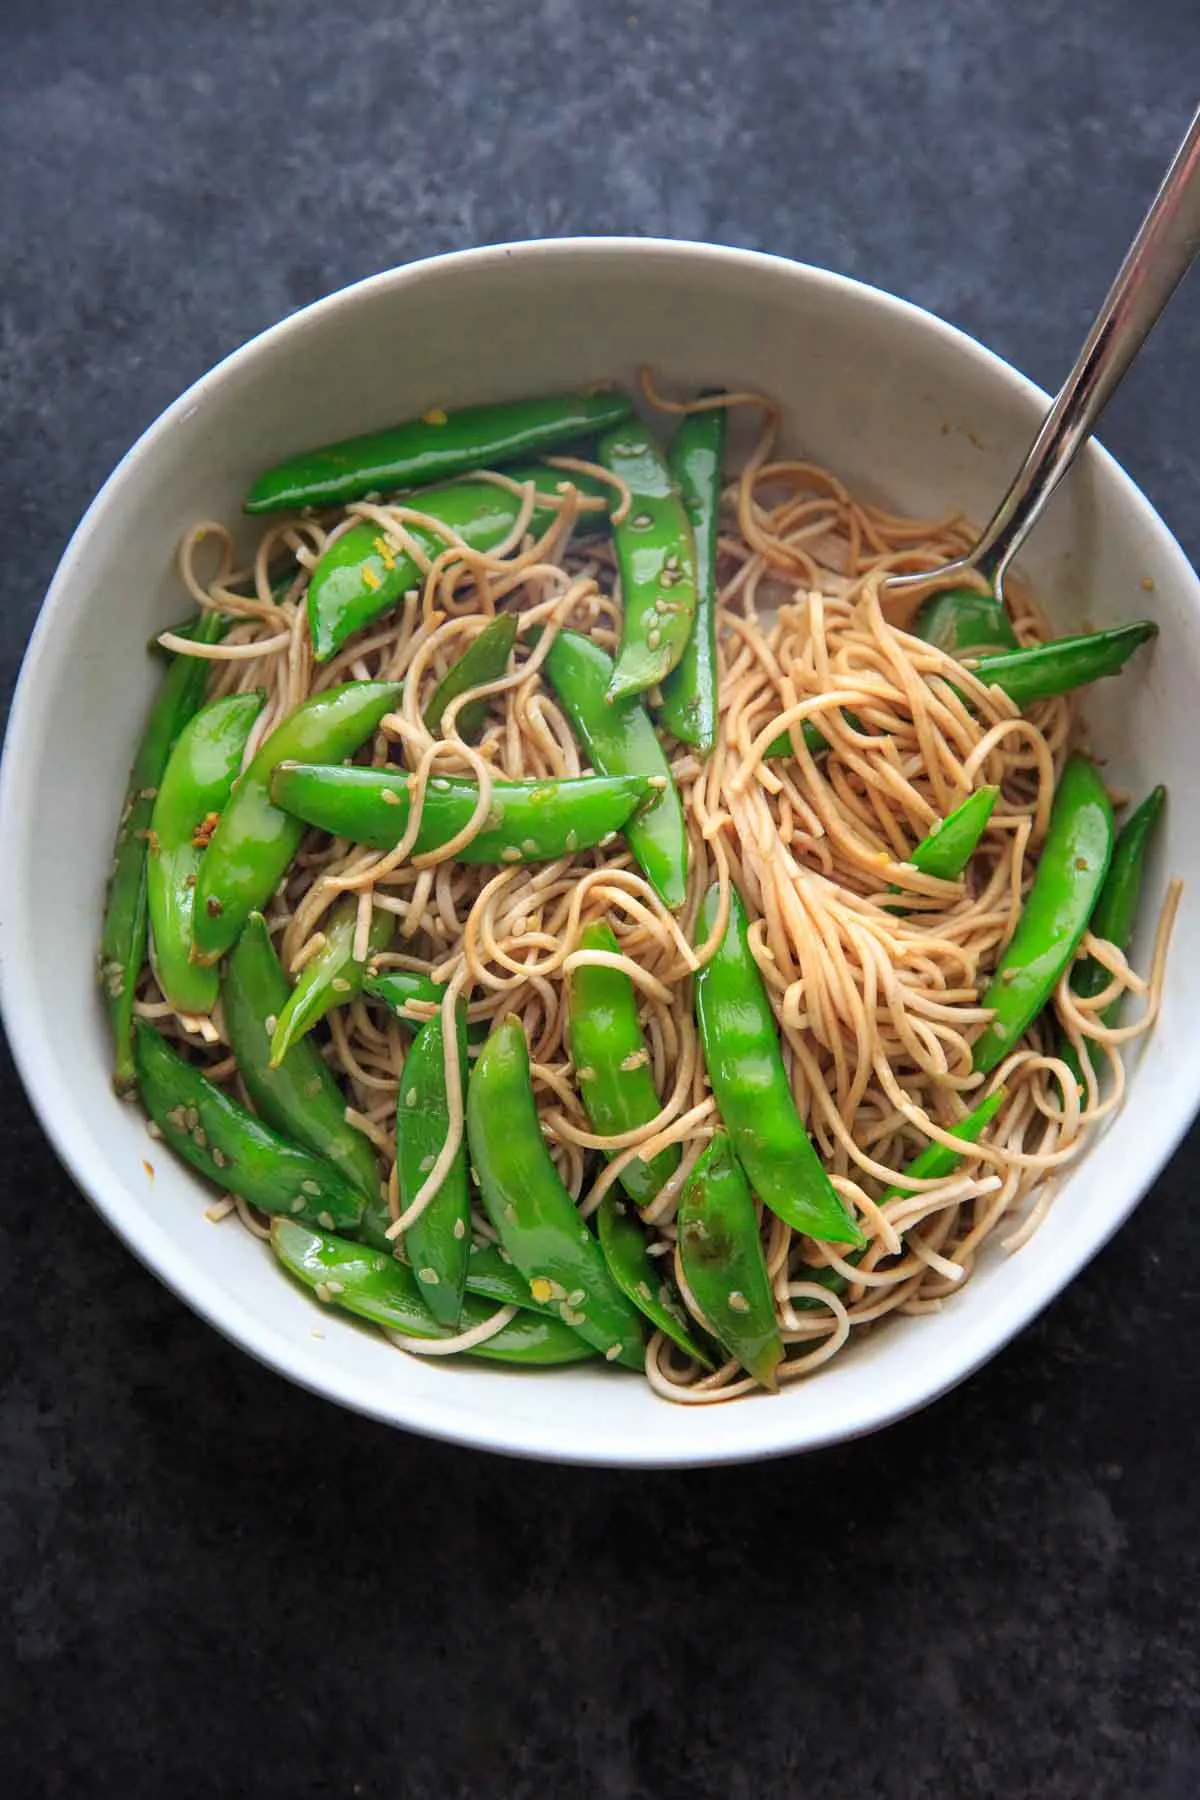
(219, 1586)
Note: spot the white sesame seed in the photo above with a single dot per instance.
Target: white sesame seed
(310, 1187)
(335, 1287)
(297, 1204)
(427, 1163)
(269, 1024)
(738, 1302)
(428, 1276)
(410, 1099)
(460, 1228)
(325, 1221)
(577, 1296)
(612, 1353)
(322, 1292)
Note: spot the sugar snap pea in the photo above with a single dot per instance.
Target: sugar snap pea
(1043, 670)
(1070, 873)
(485, 659)
(965, 622)
(689, 692)
(623, 1242)
(751, 1088)
(620, 740)
(374, 1286)
(612, 1062)
(193, 791)
(656, 556)
(723, 1263)
(493, 1275)
(529, 821)
(123, 935)
(299, 1096)
(255, 841)
(437, 1243)
(225, 1141)
(364, 572)
(949, 847)
(1116, 910)
(533, 1214)
(432, 448)
(333, 976)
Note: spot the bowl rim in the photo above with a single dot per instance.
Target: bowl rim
(772, 1431)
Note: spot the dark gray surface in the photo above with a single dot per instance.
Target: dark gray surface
(219, 1585)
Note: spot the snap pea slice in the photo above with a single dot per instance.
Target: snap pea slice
(533, 1214)
(255, 841)
(612, 1062)
(333, 976)
(374, 1286)
(434, 447)
(689, 692)
(299, 1096)
(1043, 670)
(965, 622)
(620, 740)
(723, 1263)
(437, 1243)
(949, 847)
(752, 1090)
(1116, 910)
(124, 933)
(485, 659)
(365, 573)
(194, 789)
(1070, 873)
(623, 1242)
(656, 556)
(231, 1146)
(529, 821)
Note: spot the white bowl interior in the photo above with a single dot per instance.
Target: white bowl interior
(903, 408)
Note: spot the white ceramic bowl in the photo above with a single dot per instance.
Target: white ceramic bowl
(908, 411)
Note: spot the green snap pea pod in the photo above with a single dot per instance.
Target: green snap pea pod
(620, 740)
(689, 692)
(723, 1262)
(434, 447)
(612, 1063)
(363, 574)
(492, 1277)
(397, 987)
(374, 1286)
(485, 659)
(953, 841)
(1070, 873)
(965, 622)
(299, 1096)
(532, 1212)
(1064, 663)
(752, 1091)
(1116, 910)
(255, 841)
(333, 976)
(1036, 673)
(192, 793)
(123, 936)
(623, 1242)
(438, 1241)
(934, 1163)
(656, 557)
(529, 821)
(231, 1145)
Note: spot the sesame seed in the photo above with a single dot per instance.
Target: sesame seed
(435, 416)
(427, 1163)
(153, 1130)
(510, 854)
(643, 1290)
(585, 1074)
(641, 522)
(635, 1060)
(335, 1287)
(200, 1138)
(571, 841)
(428, 1276)
(269, 1024)
(191, 1118)
(653, 639)
(390, 797)
(570, 1316)
(410, 1099)
(612, 1353)
(322, 1292)
(510, 1213)
(340, 985)
(577, 1296)
(738, 1302)
(310, 1187)
(297, 1205)
(530, 846)
(325, 1221)
(540, 1290)
(460, 1228)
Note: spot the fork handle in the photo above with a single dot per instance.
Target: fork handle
(1154, 265)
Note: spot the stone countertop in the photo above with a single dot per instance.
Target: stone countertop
(218, 1585)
